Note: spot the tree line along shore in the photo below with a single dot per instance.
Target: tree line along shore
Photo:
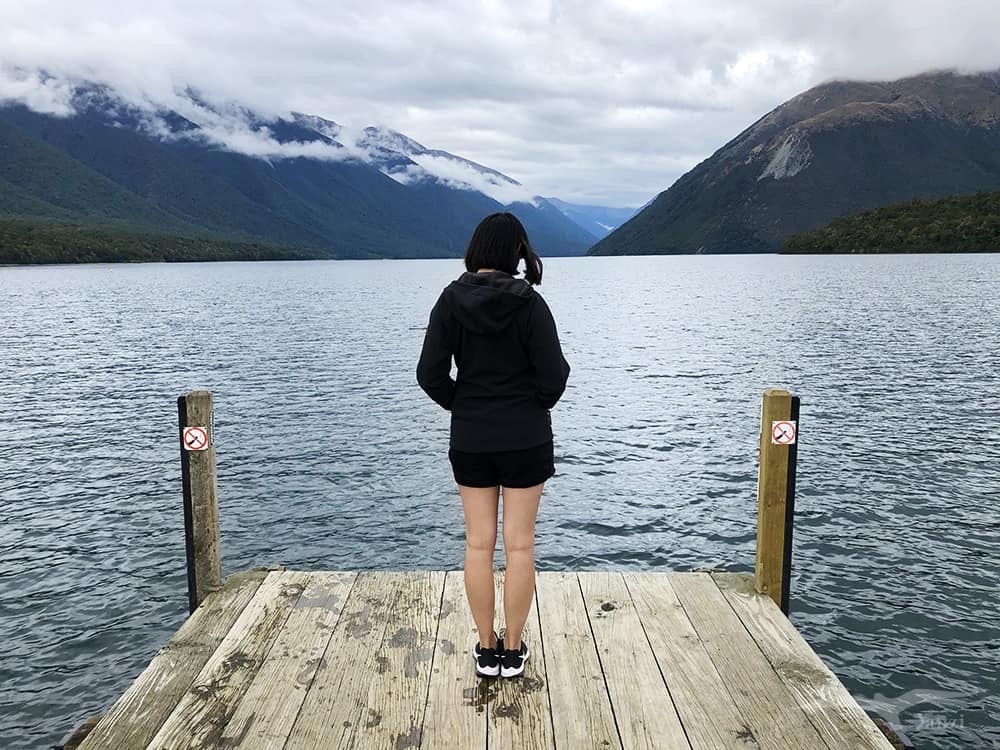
(39, 241)
(959, 224)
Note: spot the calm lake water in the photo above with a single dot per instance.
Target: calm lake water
(331, 457)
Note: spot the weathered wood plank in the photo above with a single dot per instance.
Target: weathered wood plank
(339, 690)
(138, 714)
(643, 709)
(456, 698)
(397, 695)
(518, 709)
(205, 709)
(582, 716)
(264, 717)
(820, 694)
(710, 717)
(768, 708)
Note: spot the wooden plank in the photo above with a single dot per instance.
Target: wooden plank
(643, 708)
(397, 695)
(339, 691)
(205, 709)
(265, 715)
(823, 698)
(518, 710)
(706, 709)
(769, 709)
(582, 716)
(138, 714)
(456, 697)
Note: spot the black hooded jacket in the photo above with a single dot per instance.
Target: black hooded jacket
(511, 369)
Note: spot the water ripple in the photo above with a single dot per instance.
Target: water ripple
(330, 456)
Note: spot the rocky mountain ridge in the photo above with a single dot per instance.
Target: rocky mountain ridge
(837, 149)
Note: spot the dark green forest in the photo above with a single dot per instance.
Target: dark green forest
(90, 170)
(960, 224)
(42, 241)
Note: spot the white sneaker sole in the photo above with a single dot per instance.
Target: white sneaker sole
(515, 671)
(487, 672)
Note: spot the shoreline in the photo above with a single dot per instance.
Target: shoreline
(159, 261)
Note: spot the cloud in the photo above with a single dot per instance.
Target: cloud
(231, 129)
(601, 102)
(463, 176)
(37, 92)
(260, 143)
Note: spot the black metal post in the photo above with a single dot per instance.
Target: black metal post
(188, 510)
(786, 565)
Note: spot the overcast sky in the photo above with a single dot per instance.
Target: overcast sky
(606, 101)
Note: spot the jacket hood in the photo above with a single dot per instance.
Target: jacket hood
(487, 302)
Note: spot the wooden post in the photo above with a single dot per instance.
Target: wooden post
(201, 510)
(779, 424)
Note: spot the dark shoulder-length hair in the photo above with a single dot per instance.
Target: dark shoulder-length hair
(500, 242)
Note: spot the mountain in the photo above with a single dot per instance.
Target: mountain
(837, 149)
(234, 176)
(960, 224)
(599, 221)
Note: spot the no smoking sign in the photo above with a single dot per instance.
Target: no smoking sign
(783, 432)
(195, 439)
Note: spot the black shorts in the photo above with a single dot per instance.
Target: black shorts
(520, 468)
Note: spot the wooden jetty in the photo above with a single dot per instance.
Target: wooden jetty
(303, 660)
(382, 659)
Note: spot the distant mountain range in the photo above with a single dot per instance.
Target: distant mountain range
(837, 149)
(232, 175)
(599, 221)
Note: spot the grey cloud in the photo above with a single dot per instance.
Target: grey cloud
(603, 101)
(40, 93)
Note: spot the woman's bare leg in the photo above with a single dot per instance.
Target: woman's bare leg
(520, 508)
(480, 505)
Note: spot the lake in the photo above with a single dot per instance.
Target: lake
(330, 456)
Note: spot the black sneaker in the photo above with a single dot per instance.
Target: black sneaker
(488, 659)
(512, 661)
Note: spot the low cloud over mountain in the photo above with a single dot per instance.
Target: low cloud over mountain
(598, 103)
(185, 115)
(179, 164)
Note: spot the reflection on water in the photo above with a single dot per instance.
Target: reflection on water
(331, 457)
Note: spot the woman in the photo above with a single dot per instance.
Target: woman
(511, 371)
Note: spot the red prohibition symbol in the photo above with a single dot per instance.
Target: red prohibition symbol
(783, 432)
(195, 439)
